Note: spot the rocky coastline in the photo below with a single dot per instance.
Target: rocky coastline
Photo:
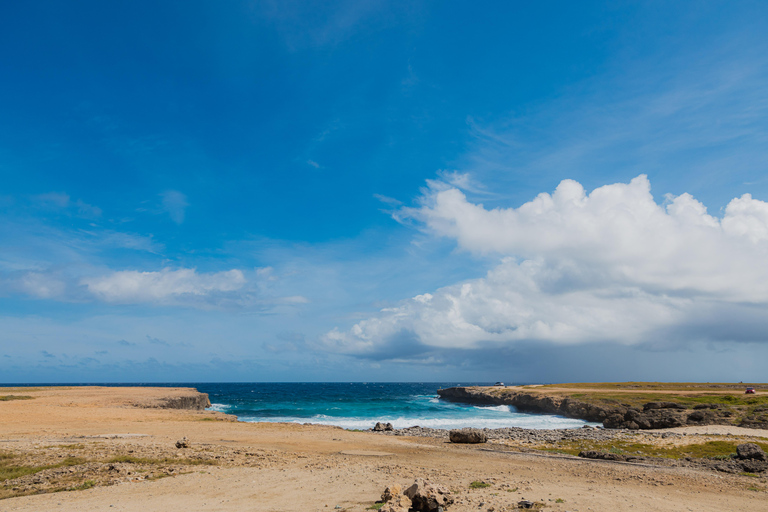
(517, 439)
(197, 402)
(652, 415)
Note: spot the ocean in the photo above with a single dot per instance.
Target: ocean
(361, 405)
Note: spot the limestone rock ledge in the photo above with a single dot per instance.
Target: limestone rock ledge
(177, 398)
(653, 415)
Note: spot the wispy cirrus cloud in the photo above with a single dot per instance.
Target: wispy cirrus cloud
(692, 115)
(63, 202)
(175, 205)
(131, 286)
(331, 24)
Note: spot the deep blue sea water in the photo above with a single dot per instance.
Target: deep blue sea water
(361, 405)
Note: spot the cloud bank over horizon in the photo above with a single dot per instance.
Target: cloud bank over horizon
(611, 266)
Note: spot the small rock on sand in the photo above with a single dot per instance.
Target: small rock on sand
(394, 500)
(428, 497)
(468, 435)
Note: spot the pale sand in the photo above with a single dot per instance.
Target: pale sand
(313, 468)
(719, 430)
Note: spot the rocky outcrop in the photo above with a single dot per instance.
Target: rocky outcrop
(751, 451)
(422, 496)
(662, 405)
(383, 427)
(534, 402)
(468, 436)
(176, 398)
(428, 497)
(394, 499)
(653, 415)
(398, 503)
(195, 402)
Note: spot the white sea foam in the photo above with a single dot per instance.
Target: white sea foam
(499, 408)
(517, 420)
(219, 407)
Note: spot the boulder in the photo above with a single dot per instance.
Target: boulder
(390, 492)
(428, 497)
(394, 499)
(468, 436)
(751, 451)
(398, 503)
(381, 427)
(182, 443)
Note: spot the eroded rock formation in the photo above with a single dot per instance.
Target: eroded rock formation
(653, 415)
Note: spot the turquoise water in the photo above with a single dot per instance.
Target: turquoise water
(361, 405)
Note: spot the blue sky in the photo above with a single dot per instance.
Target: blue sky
(290, 191)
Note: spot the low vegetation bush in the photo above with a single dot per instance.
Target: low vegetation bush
(711, 449)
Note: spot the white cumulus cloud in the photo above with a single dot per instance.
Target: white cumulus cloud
(578, 267)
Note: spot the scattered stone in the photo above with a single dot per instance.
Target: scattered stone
(468, 435)
(182, 443)
(524, 504)
(751, 451)
(428, 497)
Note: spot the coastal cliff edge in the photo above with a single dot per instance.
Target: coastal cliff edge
(669, 413)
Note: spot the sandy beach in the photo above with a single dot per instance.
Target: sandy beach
(126, 446)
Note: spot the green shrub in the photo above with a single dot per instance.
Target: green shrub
(83, 486)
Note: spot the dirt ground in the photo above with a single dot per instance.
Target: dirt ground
(235, 466)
